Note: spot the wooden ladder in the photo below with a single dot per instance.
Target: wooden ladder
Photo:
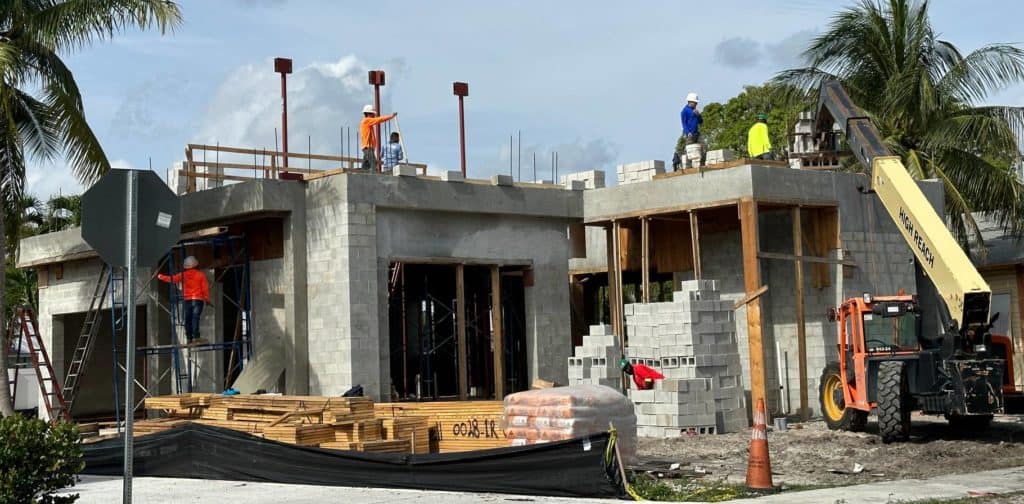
(25, 328)
(86, 339)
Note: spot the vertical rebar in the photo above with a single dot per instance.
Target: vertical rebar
(519, 155)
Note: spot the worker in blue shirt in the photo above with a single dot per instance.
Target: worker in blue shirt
(691, 119)
(393, 151)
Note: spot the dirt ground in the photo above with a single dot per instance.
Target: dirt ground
(805, 454)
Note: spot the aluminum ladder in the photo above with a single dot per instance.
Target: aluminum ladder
(86, 339)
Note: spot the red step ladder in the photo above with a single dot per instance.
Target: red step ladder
(24, 329)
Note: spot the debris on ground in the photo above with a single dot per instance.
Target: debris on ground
(804, 454)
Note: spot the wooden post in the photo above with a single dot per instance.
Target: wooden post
(645, 259)
(617, 268)
(801, 330)
(499, 341)
(460, 314)
(695, 243)
(751, 283)
(190, 181)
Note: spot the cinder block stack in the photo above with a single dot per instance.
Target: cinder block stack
(640, 171)
(592, 179)
(692, 341)
(596, 361)
(719, 156)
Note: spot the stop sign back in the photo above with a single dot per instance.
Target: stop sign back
(105, 217)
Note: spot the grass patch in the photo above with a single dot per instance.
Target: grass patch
(687, 489)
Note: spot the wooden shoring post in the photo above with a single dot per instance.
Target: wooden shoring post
(645, 274)
(499, 337)
(460, 314)
(190, 181)
(801, 330)
(617, 268)
(751, 283)
(695, 243)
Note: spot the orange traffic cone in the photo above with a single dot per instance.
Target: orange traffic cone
(759, 467)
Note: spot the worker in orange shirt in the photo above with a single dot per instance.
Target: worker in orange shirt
(368, 134)
(196, 291)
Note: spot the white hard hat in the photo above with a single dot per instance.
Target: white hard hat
(191, 262)
(692, 97)
(369, 110)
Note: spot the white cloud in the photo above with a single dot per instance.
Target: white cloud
(48, 179)
(322, 98)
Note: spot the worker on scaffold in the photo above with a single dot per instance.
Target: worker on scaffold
(195, 290)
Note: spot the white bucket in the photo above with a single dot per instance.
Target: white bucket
(693, 151)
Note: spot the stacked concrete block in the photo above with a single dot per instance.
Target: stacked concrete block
(719, 156)
(640, 171)
(592, 179)
(596, 361)
(692, 341)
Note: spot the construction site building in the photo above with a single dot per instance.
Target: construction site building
(391, 281)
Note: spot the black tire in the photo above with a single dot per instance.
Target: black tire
(833, 408)
(893, 402)
(969, 423)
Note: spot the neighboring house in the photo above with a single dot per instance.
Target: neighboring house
(1002, 266)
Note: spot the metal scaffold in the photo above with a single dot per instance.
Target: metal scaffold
(229, 259)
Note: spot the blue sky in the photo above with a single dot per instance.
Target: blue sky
(599, 82)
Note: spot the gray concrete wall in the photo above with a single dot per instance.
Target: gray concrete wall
(360, 223)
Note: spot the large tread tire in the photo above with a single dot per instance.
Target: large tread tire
(833, 409)
(893, 402)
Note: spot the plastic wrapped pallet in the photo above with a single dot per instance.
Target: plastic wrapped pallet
(554, 414)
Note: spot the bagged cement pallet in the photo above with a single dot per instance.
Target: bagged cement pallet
(560, 413)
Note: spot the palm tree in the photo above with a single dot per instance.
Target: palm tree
(925, 97)
(41, 112)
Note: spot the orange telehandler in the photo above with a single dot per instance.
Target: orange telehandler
(885, 361)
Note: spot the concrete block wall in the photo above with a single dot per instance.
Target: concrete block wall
(341, 282)
(640, 171)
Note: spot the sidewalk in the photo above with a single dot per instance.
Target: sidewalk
(950, 486)
(104, 490)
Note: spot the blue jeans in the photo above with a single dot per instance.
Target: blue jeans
(193, 312)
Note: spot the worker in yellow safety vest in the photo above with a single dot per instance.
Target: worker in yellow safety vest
(758, 144)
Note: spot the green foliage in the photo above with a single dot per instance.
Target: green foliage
(38, 459)
(726, 125)
(926, 97)
(688, 490)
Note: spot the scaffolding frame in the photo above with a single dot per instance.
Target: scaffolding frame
(184, 365)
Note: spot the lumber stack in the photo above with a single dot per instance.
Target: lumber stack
(345, 423)
(455, 426)
(414, 430)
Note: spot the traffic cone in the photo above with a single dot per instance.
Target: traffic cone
(759, 467)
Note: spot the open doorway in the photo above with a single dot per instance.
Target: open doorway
(424, 321)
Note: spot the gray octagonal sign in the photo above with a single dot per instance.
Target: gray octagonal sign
(105, 217)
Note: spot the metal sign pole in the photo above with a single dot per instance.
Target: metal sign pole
(131, 248)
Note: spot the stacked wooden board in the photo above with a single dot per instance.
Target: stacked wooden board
(455, 426)
(345, 423)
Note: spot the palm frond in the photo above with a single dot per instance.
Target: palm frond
(72, 24)
(983, 71)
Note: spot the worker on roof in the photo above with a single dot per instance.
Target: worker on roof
(368, 134)
(392, 151)
(196, 291)
(759, 146)
(691, 119)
